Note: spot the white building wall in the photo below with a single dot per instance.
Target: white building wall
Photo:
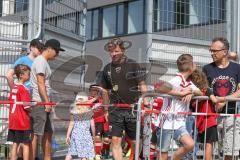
(166, 53)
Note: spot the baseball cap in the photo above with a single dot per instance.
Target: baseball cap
(55, 44)
(37, 43)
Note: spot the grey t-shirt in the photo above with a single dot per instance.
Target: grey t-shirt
(40, 65)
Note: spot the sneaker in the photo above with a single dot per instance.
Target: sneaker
(98, 157)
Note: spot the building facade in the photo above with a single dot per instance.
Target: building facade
(23, 20)
(161, 30)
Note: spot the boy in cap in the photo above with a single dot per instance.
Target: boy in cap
(40, 75)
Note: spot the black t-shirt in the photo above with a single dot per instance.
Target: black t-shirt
(122, 80)
(224, 81)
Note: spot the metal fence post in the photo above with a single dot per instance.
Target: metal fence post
(137, 146)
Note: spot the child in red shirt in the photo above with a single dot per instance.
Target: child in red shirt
(206, 124)
(102, 138)
(19, 120)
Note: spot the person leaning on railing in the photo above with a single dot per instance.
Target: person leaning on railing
(224, 78)
(175, 125)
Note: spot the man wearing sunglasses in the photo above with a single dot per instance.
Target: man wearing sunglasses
(224, 77)
(41, 115)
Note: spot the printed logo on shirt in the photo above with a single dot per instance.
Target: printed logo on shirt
(223, 85)
(118, 69)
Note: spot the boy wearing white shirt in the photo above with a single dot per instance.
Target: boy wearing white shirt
(174, 125)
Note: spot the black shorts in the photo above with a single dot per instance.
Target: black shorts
(154, 137)
(19, 136)
(122, 119)
(211, 135)
(100, 130)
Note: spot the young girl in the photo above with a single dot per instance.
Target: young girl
(79, 136)
(206, 124)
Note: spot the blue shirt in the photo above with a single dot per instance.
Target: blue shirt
(27, 61)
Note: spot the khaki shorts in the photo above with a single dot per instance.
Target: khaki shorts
(226, 131)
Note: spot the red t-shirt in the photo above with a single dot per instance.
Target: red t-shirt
(203, 107)
(156, 105)
(99, 112)
(18, 117)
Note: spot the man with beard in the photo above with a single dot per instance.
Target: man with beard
(224, 77)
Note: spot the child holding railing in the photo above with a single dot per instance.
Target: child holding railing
(174, 125)
(206, 125)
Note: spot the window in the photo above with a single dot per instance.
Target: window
(172, 14)
(1, 10)
(95, 24)
(182, 13)
(118, 19)
(199, 11)
(49, 1)
(20, 5)
(109, 22)
(135, 16)
(164, 16)
(218, 10)
(89, 25)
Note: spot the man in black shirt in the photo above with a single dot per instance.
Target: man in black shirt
(123, 78)
(224, 77)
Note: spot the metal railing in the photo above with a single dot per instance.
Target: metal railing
(197, 152)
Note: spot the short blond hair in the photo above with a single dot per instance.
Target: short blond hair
(184, 62)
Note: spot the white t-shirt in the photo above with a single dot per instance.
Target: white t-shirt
(172, 121)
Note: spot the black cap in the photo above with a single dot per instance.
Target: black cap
(55, 44)
(37, 43)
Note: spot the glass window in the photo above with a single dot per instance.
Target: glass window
(218, 9)
(199, 11)
(49, 1)
(135, 16)
(89, 25)
(164, 16)
(109, 21)
(182, 12)
(120, 19)
(95, 24)
(21, 5)
(1, 1)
